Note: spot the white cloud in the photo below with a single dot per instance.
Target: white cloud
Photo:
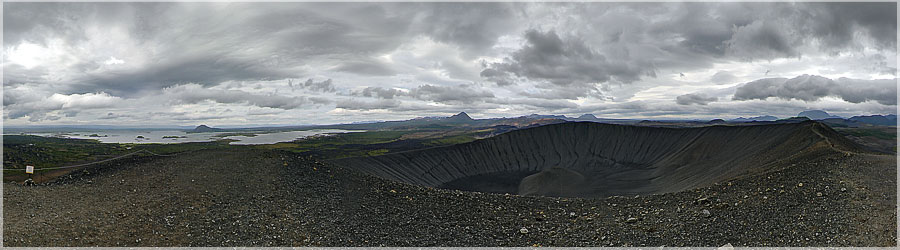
(113, 61)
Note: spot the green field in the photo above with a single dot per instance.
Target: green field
(880, 133)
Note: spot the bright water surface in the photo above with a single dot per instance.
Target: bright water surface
(156, 136)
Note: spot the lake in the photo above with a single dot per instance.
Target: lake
(178, 136)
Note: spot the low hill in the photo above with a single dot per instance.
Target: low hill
(886, 120)
(206, 129)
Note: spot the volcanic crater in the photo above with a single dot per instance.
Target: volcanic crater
(586, 159)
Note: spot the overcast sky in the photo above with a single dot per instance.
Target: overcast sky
(319, 63)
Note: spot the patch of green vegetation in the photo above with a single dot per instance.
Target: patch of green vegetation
(866, 132)
(173, 148)
(173, 137)
(377, 152)
(369, 137)
(49, 152)
(450, 140)
(44, 152)
(340, 145)
(280, 145)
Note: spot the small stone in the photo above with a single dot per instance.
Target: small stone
(572, 214)
(800, 184)
(631, 220)
(523, 230)
(705, 213)
(843, 189)
(703, 201)
(819, 194)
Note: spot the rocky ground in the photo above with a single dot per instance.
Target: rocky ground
(270, 198)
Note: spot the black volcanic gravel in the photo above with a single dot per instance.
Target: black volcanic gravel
(270, 198)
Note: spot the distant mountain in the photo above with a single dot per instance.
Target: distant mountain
(586, 117)
(883, 120)
(840, 123)
(794, 119)
(204, 128)
(764, 118)
(537, 116)
(716, 121)
(461, 117)
(816, 115)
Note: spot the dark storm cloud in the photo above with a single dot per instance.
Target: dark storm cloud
(812, 88)
(699, 99)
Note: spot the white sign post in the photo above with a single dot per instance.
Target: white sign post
(29, 169)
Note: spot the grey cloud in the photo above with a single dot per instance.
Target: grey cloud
(368, 67)
(263, 112)
(499, 77)
(548, 57)
(443, 94)
(472, 26)
(323, 86)
(570, 92)
(379, 92)
(546, 104)
(833, 27)
(460, 94)
(194, 93)
(555, 52)
(111, 116)
(690, 99)
(69, 105)
(812, 88)
(722, 77)
(235, 42)
(762, 39)
(242, 41)
(836, 23)
(354, 104)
